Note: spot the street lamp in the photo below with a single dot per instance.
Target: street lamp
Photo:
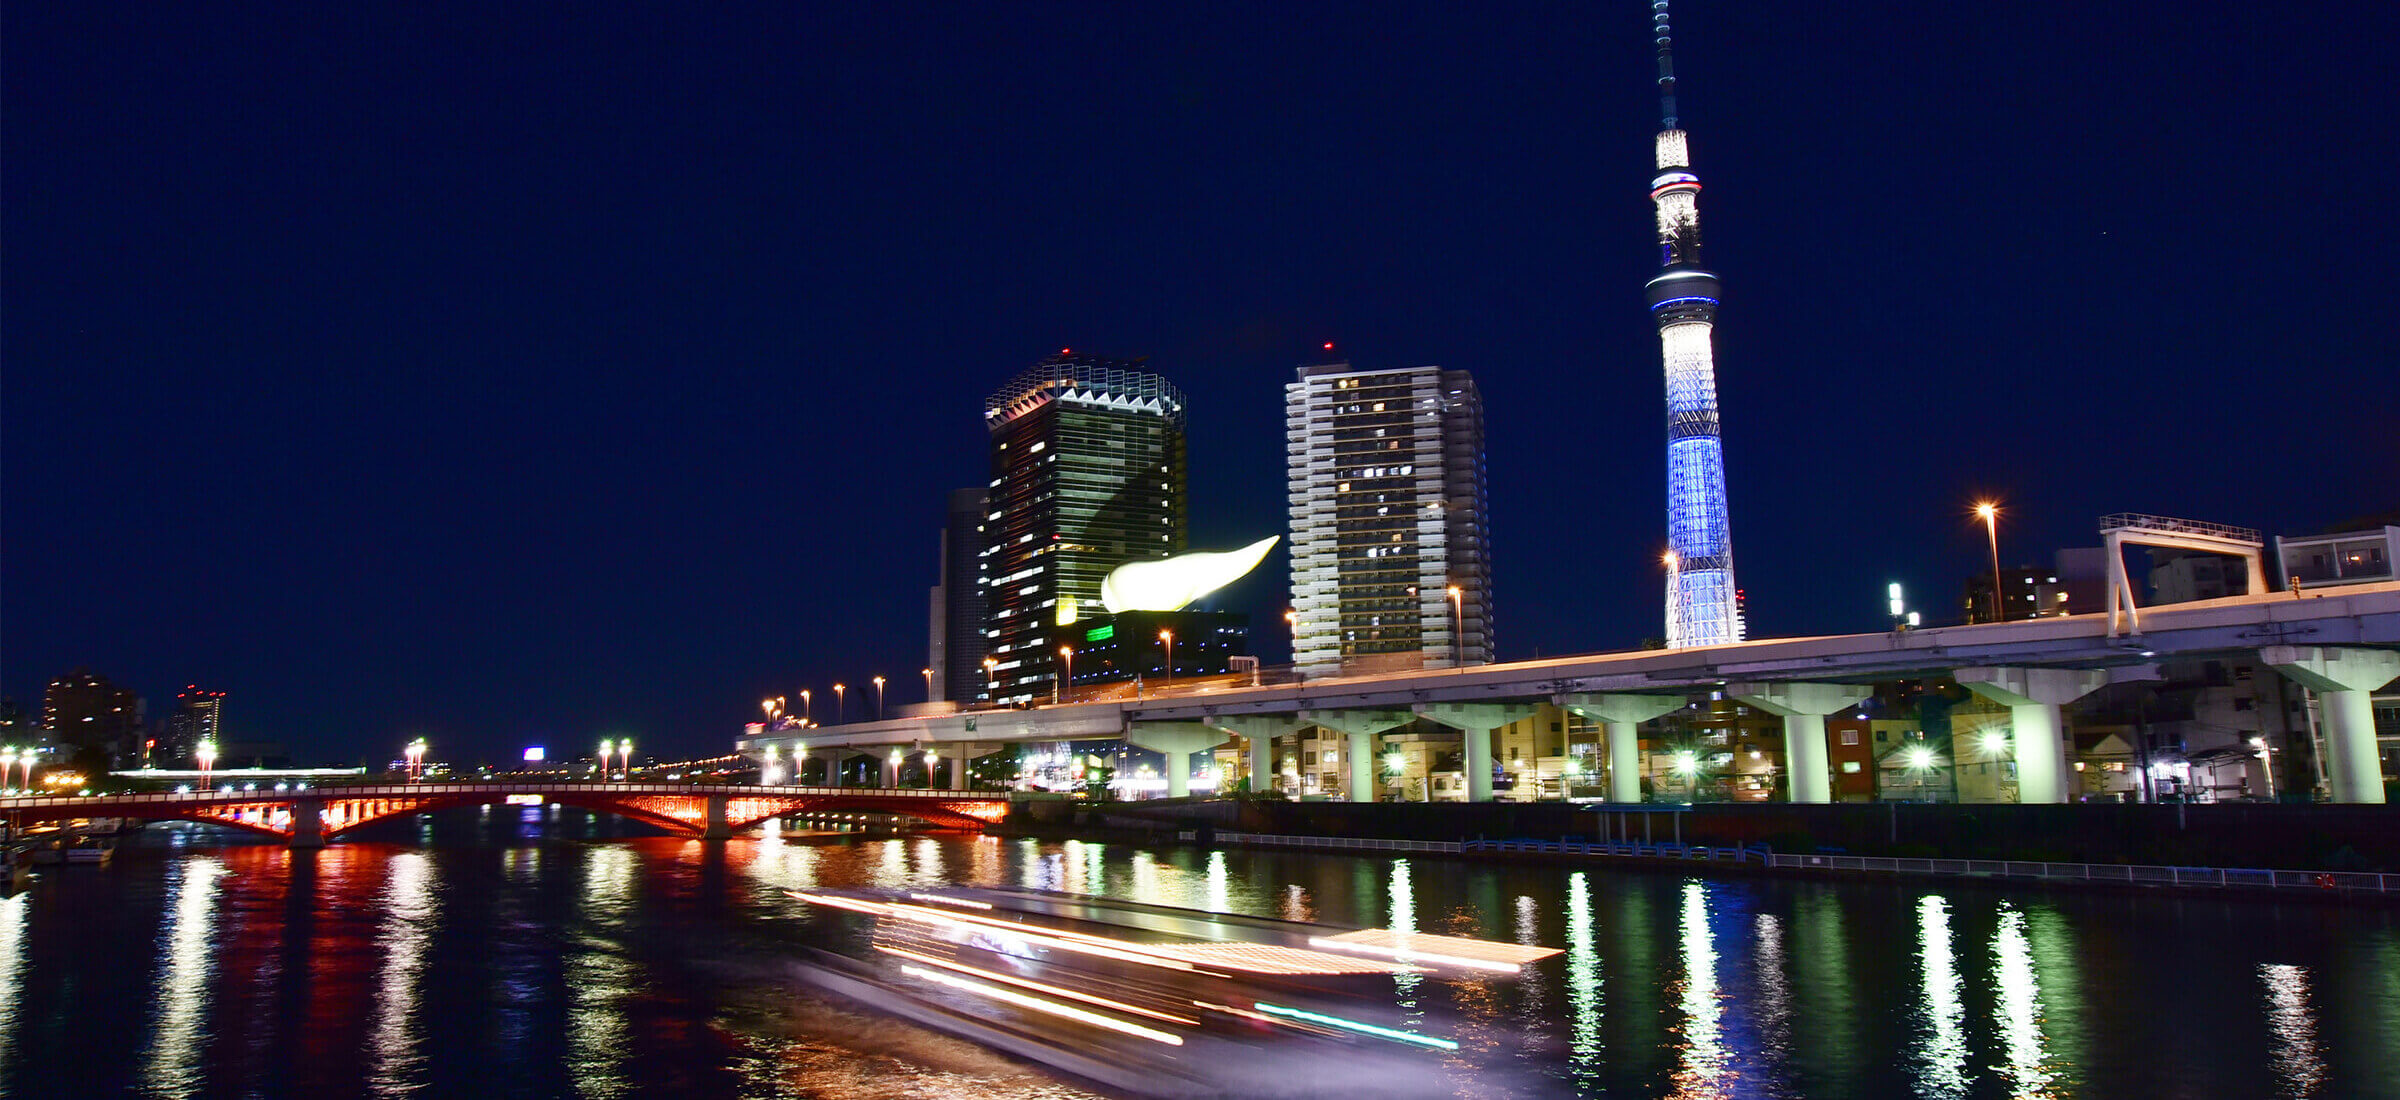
(608, 748)
(416, 760)
(8, 763)
(879, 698)
(625, 749)
(927, 673)
(206, 754)
(1989, 512)
(991, 677)
(933, 761)
(841, 706)
(769, 775)
(1066, 673)
(806, 712)
(1458, 628)
(1168, 637)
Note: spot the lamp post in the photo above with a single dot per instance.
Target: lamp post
(1066, 674)
(608, 748)
(933, 760)
(927, 673)
(807, 714)
(206, 754)
(1989, 512)
(841, 706)
(416, 760)
(768, 775)
(879, 698)
(8, 763)
(991, 678)
(1167, 637)
(625, 748)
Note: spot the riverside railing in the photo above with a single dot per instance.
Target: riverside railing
(2317, 882)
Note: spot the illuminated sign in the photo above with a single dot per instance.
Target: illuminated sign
(1100, 633)
(535, 755)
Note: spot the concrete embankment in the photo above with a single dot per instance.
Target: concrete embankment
(2261, 835)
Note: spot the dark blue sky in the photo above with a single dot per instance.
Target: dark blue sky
(511, 374)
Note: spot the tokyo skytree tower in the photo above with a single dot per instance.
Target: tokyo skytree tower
(1702, 603)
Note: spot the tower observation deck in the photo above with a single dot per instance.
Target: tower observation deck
(1703, 607)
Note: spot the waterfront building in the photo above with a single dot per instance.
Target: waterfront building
(83, 710)
(1391, 558)
(2342, 557)
(1088, 473)
(956, 616)
(199, 716)
(1703, 602)
(2026, 592)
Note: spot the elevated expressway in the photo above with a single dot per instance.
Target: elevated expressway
(2341, 643)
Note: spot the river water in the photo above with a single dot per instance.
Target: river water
(547, 957)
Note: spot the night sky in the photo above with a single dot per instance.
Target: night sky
(518, 374)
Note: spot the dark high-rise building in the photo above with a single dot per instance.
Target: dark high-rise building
(1087, 474)
(957, 625)
(199, 716)
(1391, 560)
(82, 710)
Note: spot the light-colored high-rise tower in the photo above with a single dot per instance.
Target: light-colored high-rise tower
(1703, 605)
(1391, 562)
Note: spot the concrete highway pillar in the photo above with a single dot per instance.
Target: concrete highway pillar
(1258, 733)
(1178, 741)
(1476, 722)
(308, 824)
(2033, 696)
(1358, 729)
(1803, 708)
(2342, 677)
(717, 828)
(1619, 716)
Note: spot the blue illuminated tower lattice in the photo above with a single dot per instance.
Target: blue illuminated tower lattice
(1702, 605)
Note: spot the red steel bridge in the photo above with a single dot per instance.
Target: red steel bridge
(308, 817)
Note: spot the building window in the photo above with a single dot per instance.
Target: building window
(1850, 737)
(1849, 767)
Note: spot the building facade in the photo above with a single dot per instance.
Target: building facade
(199, 716)
(1088, 473)
(1391, 558)
(83, 710)
(956, 610)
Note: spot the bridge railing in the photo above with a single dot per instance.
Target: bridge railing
(421, 790)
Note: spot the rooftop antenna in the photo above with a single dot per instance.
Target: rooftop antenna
(1666, 62)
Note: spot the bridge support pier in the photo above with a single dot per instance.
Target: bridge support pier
(1476, 723)
(1619, 716)
(2342, 678)
(2033, 696)
(1803, 708)
(717, 828)
(1178, 741)
(308, 823)
(1258, 733)
(1358, 729)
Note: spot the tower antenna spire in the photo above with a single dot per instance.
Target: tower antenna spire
(1666, 63)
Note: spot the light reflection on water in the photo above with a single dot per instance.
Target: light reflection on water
(1583, 979)
(13, 910)
(640, 968)
(601, 976)
(190, 964)
(1705, 1058)
(1941, 1044)
(2020, 1008)
(2292, 1021)
(412, 910)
